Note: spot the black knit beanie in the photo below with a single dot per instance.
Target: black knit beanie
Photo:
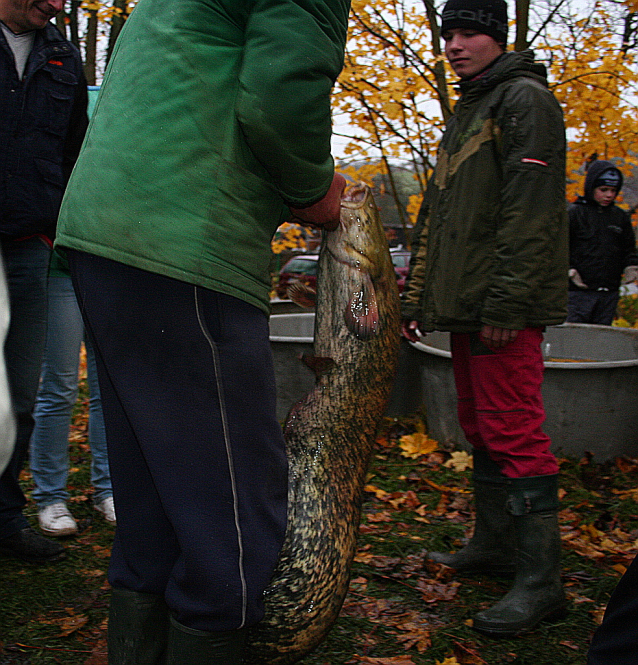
(609, 178)
(486, 16)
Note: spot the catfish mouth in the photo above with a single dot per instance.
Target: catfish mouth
(355, 196)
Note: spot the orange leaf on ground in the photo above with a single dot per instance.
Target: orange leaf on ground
(415, 445)
(382, 516)
(433, 591)
(460, 461)
(414, 636)
(71, 624)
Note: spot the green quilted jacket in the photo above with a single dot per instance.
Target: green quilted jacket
(491, 242)
(213, 115)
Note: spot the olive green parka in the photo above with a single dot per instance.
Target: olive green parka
(491, 241)
(213, 116)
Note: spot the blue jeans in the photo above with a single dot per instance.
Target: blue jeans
(56, 397)
(26, 264)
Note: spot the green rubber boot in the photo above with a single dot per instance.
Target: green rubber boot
(138, 628)
(537, 593)
(187, 646)
(491, 549)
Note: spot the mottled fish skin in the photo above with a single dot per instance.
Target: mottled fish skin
(330, 434)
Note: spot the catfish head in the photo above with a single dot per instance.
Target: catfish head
(360, 246)
(359, 241)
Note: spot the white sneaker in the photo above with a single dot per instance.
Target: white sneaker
(56, 520)
(107, 508)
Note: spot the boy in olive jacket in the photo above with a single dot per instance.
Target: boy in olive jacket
(212, 126)
(489, 264)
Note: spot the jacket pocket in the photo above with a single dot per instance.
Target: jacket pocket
(60, 93)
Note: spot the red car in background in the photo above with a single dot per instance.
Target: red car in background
(303, 269)
(401, 261)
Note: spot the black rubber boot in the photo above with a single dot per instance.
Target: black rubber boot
(195, 647)
(138, 628)
(537, 593)
(491, 549)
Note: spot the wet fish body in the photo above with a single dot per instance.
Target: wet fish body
(330, 434)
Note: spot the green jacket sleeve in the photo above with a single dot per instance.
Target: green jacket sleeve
(532, 215)
(293, 54)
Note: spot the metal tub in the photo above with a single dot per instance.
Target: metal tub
(291, 336)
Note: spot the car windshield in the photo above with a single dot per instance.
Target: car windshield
(401, 260)
(301, 267)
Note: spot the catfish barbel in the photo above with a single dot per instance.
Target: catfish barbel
(330, 433)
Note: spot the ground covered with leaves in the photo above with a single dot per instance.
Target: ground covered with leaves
(398, 611)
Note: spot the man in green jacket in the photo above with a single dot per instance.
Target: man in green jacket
(212, 127)
(488, 265)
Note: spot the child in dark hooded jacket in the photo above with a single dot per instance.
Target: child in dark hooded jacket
(602, 246)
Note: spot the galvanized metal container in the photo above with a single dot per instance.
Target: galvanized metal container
(291, 336)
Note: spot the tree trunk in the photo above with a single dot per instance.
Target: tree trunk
(90, 54)
(439, 66)
(630, 32)
(522, 25)
(117, 22)
(73, 22)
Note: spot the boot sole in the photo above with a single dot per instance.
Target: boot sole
(31, 559)
(491, 571)
(59, 533)
(504, 631)
(498, 570)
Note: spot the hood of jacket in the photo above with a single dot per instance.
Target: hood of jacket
(595, 170)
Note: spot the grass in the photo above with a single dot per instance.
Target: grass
(397, 611)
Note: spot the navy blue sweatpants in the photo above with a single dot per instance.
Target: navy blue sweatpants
(197, 456)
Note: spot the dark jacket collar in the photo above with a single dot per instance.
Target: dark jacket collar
(507, 66)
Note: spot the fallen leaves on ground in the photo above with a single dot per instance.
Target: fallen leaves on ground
(68, 624)
(415, 445)
(459, 461)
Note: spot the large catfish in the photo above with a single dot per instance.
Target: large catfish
(330, 433)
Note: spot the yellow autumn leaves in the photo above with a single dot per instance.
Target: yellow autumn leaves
(418, 444)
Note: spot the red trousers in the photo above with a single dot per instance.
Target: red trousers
(500, 405)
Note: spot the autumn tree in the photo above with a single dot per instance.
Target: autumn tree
(591, 56)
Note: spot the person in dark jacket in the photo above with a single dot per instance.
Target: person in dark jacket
(488, 265)
(602, 245)
(43, 102)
